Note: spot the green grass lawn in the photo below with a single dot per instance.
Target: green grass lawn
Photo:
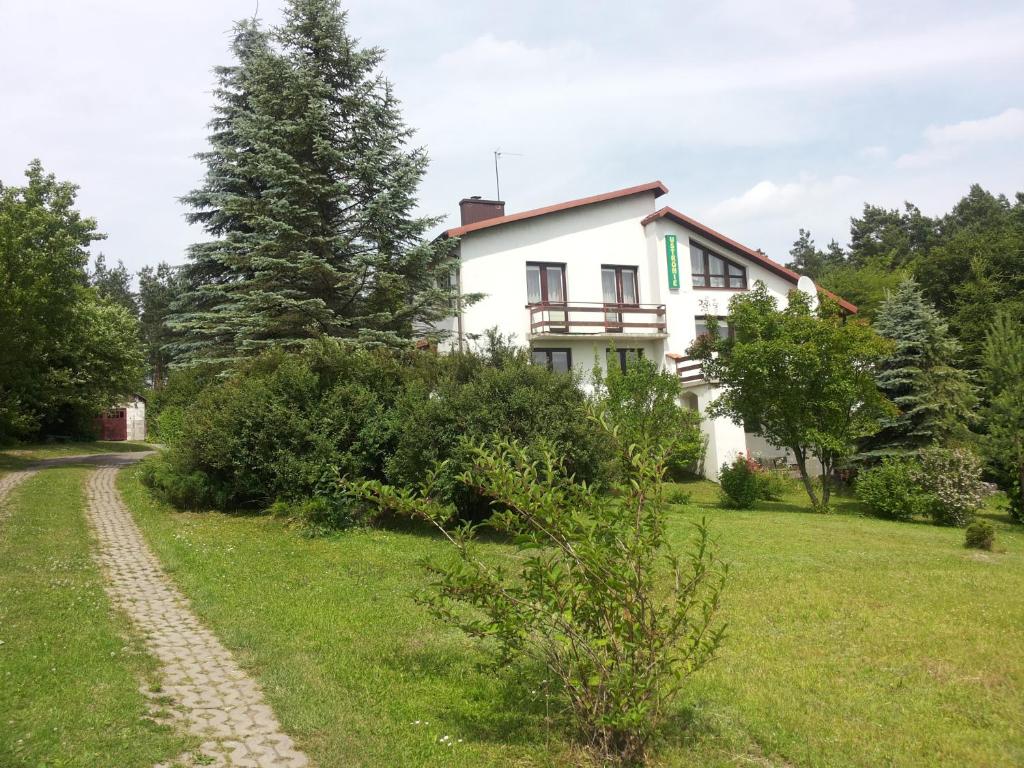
(852, 642)
(69, 670)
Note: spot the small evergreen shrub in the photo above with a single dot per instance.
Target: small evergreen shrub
(952, 478)
(740, 484)
(892, 490)
(979, 535)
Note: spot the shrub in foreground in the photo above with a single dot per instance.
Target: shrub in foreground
(585, 596)
(979, 535)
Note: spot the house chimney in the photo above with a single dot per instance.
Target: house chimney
(474, 209)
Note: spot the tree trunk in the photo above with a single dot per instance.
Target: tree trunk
(801, 463)
(826, 484)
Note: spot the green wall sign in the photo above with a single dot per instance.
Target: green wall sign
(672, 256)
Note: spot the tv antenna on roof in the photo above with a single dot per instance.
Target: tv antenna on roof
(497, 179)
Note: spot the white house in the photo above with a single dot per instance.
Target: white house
(614, 271)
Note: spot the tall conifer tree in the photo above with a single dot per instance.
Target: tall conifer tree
(310, 191)
(935, 399)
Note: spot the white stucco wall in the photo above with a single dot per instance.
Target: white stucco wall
(136, 415)
(493, 262)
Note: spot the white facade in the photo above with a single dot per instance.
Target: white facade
(135, 413)
(626, 230)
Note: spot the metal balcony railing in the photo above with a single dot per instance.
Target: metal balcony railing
(596, 318)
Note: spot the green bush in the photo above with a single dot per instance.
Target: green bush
(641, 404)
(952, 478)
(772, 484)
(979, 535)
(595, 593)
(740, 483)
(462, 398)
(282, 426)
(892, 490)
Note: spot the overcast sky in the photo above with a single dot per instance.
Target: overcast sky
(761, 117)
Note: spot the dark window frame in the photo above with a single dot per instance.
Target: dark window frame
(548, 351)
(730, 332)
(622, 353)
(544, 283)
(619, 269)
(706, 254)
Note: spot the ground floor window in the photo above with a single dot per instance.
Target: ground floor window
(557, 360)
(623, 357)
(701, 326)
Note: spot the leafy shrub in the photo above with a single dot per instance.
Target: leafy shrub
(676, 495)
(772, 484)
(463, 398)
(280, 425)
(952, 478)
(283, 426)
(586, 596)
(892, 490)
(979, 535)
(321, 515)
(740, 483)
(642, 405)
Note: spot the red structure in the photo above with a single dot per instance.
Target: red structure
(113, 425)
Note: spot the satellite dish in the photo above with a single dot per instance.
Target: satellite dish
(806, 285)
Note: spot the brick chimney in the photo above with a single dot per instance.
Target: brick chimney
(474, 209)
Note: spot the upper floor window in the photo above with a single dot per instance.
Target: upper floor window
(713, 271)
(545, 283)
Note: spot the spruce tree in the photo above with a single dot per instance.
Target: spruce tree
(309, 193)
(935, 399)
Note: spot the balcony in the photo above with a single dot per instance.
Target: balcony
(688, 369)
(597, 319)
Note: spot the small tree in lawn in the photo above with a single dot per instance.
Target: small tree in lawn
(585, 595)
(1004, 417)
(804, 378)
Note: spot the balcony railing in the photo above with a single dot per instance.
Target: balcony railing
(596, 318)
(688, 369)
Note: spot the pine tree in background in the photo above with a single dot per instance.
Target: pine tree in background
(1003, 374)
(159, 289)
(309, 193)
(808, 260)
(935, 399)
(114, 284)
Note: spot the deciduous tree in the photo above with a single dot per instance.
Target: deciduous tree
(802, 379)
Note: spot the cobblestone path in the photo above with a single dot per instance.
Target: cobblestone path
(219, 702)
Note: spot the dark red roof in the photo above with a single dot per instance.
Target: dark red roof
(655, 186)
(726, 242)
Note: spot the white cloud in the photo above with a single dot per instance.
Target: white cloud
(766, 198)
(945, 142)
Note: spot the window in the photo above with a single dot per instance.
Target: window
(557, 360)
(724, 331)
(545, 283)
(624, 357)
(618, 286)
(713, 271)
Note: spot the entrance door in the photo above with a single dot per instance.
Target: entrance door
(114, 425)
(619, 287)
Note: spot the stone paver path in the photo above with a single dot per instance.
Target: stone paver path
(219, 701)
